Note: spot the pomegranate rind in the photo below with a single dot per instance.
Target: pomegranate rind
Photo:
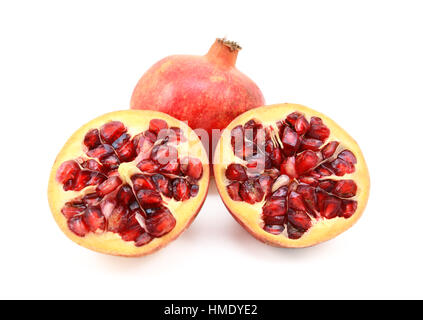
(111, 243)
(249, 216)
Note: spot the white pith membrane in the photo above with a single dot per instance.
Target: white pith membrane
(184, 211)
(250, 215)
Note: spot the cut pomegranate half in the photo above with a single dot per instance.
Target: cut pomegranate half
(305, 182)
(129, 182)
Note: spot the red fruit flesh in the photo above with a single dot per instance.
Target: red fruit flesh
(207, 91)
(295, 181)
(133, 208)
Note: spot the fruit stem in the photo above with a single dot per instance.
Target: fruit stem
(224, 52)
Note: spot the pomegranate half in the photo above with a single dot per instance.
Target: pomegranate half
(128, 182)
(207, 92)
(290, 175)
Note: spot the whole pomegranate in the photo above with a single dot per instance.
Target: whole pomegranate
(206, 91)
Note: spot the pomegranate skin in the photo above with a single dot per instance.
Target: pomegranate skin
(206, 91)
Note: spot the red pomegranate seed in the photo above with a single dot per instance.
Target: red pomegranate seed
(171, 167)
(193, 191)
(328, 205)
(323, 171)
(251, 192)
(192, 167)
(143, 239)
(163, 154)
(348, 157)
(295, 201)
(329, 149)
(180, 189)
(148, 166)
(68, 170)
(101, 151)
(92, 199)
(77, 225)
(309, 180)
(306, 161)
(126, 153)
(71, 209)
(121, 141)
(112, 130)
(159, 221)
(109, 185)
(92, 139)
(236, 172)
(292, 118)
(162, 184)
(327, 185)
(294, 233)
(348, 207)
(156, 125)
(274, 229)
(308, 195)
(276, 157)
(142, 182)
(233, 191)
(282, 192)
(288, 167)
(143, 147)
(94, 219)
(82, 179)
(256, 164)
(275, 207)
(148, 197)
(341, 167)
(345, 188)
(117, 219)
(110, 162)
(290, 141)
(318, 130)
(310, 144)
(132, 233)
(274, 220)
(125, 195)
(92, 165)
(266, 183)
(301, 125)
(299, 219)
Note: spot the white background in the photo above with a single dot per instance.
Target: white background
(63, 63)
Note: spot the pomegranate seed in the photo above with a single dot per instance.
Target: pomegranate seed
(341, 167)
(301, 125)
(143, 239)
(126, 153)
(308, 195)
(171, 167)
(237, 140)
(109, 185)
(251, 192)
(323, 171)
(193, 191)
(101, 151)
(180, 189)
(111, 162)
(162, 184)
(327, 185)
(143, 147)
(132, 233)
(192, 167)
(236, 172)
(276, 157)
(92, 165)
(256, 164)
(318, 130)
(290, 142)
(121, 141)
(71, 209)
(148, 197)
(148, 166)
(266, 182)
(112, 130)
(348, 157)
(82, 180)
(309, 180)
(294, 233)
(274, 229)
(348, 207)
(94, 219)
(292, 118)
(67, 171)
(107, 206)
(159, 221)
(142, 182)
(117, 219)
(92, 139)
(275, 207)
(77, 225)
(274, 220)
(156, 125)
(310, 144)
(163, 154)
(345, 188)
(125, 195)
(295, 201)
(299, 219)
(329, 149)
(233, 191)
(328, 205)
(306, 161)
(92, 199)
(288, 167)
